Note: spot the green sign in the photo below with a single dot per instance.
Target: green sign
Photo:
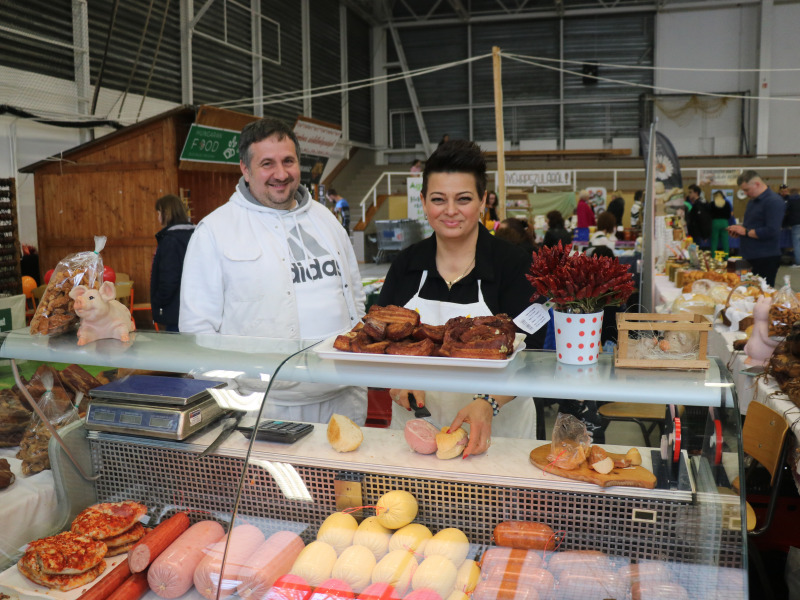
(211, 145)
(5, 319)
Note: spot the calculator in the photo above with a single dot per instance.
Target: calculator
(285, 432)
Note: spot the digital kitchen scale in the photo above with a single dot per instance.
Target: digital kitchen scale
(163, 407)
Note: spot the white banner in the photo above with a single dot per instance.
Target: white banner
(536, 178)
(718, 177)
(415, 211)
(315, 138)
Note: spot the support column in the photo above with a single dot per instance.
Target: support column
(187, 16)
(499, 133)
(344, 76)
(764, 64)
(305, 19)
(258, 71)
(380, 97)
(80, 43)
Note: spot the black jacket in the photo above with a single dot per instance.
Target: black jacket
(617, 208)
(792, 216)
(499, 265)
(553, 236)
(165, 277)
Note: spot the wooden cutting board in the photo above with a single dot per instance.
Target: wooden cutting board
(630, 476)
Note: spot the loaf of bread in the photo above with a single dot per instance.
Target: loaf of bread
(343, 434)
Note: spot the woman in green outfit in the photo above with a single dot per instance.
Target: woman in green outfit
(720, 211)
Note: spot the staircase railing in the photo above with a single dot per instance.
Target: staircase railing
(373, 193)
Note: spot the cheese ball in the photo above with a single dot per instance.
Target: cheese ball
(450, 542)
(396, 568)
(396, 509)
(436, 573)
(315, 563)
(374, 536)
(338, 531)
(412, 537)
(354, 566)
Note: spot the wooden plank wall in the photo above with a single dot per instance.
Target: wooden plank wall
(109, 190)
(209, 189)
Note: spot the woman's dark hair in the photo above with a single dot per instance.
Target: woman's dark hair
(172, 210)
(600, 251)
(458, 156)
(695, 188)
(262, 129)
(606, 221)
(492, 208)
(555, 220)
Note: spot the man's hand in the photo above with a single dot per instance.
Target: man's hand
(478, 414)
(400, 397)
(737, 230)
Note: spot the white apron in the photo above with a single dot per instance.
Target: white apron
(517, 419)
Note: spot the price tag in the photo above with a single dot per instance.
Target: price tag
(533, 318)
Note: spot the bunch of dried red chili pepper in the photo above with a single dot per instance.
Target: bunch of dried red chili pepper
(579, 283)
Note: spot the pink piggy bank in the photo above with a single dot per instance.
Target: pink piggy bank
(101, 315)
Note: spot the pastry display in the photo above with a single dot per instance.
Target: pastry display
(14, 419)
(6, 476)
(397, 330)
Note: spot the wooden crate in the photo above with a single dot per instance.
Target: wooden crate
(650, 322)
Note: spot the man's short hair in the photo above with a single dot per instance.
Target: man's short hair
(695, 188)
(262, 129)
(457, 156)
(747, 177)
(332, 192)
(638, 195)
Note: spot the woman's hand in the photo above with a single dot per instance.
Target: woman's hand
(478, 414)
(400, 397)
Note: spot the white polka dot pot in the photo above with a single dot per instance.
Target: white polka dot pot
(577, 337)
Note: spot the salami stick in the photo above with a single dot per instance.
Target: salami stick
(133, 588)
(155, 542)
(108, 584)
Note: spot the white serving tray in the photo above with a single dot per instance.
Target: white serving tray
(325, 349)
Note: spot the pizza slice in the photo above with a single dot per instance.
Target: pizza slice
(66, 553)
(28, 567)
(109, 519)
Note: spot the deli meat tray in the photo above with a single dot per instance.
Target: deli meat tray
(326, 350)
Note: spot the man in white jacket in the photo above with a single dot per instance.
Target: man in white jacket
(271, 262)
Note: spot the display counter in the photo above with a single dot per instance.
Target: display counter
(686, 528)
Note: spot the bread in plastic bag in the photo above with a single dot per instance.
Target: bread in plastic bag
(717, 290)
(55, 313)
(33, 449)
(571, 443)
(784, 310)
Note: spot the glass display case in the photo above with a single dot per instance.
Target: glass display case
(682, 537)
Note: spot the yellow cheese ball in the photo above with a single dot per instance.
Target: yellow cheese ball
(437, 573)
(396, 569)
(354, 566)
(451, 543)
(467, 577)
(374, 536)
(315, 563)
(412, 538)
(396, 509)
(338, 531)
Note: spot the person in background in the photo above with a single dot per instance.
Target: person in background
(490, 217)
(636, 209)
(760, 231)
(720, 212)
(444, 140)
(604, 236)
(461, 270)
(792, 220)
(584, 211)
(416, 166)
(698, 220)
(783, 191)
(273, 263)
(341, 208)
(556, 232)
(165, 275)
(517, 232)
(617, 206)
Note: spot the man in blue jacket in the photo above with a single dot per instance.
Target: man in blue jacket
(760, 231)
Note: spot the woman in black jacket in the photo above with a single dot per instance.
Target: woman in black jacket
(556, 231)
(165, 277)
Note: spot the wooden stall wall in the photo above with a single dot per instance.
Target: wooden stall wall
(208, 189)
(109, 189)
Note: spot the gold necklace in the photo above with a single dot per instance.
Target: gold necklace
(450, 284)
